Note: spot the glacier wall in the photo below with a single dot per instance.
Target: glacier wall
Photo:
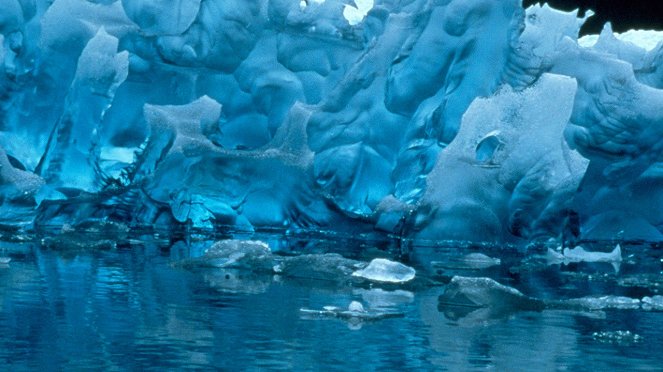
(473, 120)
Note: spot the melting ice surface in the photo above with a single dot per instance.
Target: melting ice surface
(278, 302)
(467, 120)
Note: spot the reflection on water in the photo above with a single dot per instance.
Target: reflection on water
(129, 307)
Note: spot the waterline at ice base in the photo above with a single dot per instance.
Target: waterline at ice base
(425, 120)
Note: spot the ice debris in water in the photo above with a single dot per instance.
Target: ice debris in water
(486, 292)
(431, 120)
(386, 271)
(378, 298)
(498, 300)
(329, 266)
(471, 261)
(480, 261)
(653, 303)
(356, 307)
(248, 254)
(354, 312)
(605, 302)
(579, 254)
(617, 337)
(256, 256)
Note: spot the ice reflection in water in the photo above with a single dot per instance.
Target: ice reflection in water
(133, 308)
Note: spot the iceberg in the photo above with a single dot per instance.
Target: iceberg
(478, 121)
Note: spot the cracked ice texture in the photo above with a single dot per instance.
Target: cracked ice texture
(458, 119)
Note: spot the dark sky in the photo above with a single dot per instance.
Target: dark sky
(624, 14)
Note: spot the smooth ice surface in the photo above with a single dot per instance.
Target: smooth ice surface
(427, 120)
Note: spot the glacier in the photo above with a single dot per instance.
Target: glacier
(472, 120)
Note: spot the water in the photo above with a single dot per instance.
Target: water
(130, 307)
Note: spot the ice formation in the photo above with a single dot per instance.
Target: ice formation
(257, 257)
(484, 298)
(474, 120)
(385, 271)
(355, 312)
(579, 254)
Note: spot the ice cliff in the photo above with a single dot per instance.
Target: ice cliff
(427, 119)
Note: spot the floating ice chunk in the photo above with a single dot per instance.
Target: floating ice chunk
(486, 292)
(471, 261)
(604, 302)
(354, 312)
(247, 254)
(579, 254)
(480, 261)
(330, 267)
(553, 257)
(356, 306)
(486, 298)
(379, 298)
(653, 303)
(238, 281)
(385, 271)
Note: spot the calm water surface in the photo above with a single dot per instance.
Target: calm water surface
(131, 308)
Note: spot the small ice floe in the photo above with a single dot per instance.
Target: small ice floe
(579, 254)
(4, 260)
(472, 301)
(603, 303)
(484, 298)
(486, 292)
(251, 254)
(471, 261)
(617, 337)
(330, 267)
(384, 271)
(653, 303)
(378, 298)
(355, 311)
(480, 261)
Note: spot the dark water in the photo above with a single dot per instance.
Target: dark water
(130, 308)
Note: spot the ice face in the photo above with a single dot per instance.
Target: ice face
(473, 120)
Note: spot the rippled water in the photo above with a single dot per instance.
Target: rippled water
(129, 307)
